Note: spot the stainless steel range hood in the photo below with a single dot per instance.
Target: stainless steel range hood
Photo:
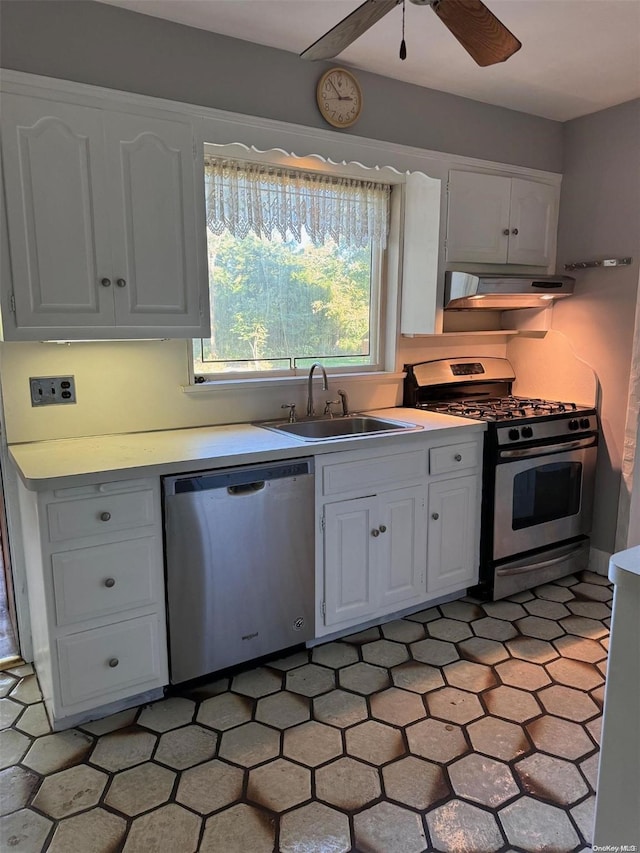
(500, 292)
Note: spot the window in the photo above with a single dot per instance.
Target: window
(295, 270)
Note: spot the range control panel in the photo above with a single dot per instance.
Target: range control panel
(544, 430)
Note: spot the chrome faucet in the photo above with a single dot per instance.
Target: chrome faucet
(325, 387)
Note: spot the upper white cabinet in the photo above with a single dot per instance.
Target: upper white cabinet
(103, 219)
(498, 220)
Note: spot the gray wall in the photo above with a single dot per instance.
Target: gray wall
(600, 218)
(107, 46)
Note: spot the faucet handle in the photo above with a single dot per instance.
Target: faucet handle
(292, 411)
(327, 407)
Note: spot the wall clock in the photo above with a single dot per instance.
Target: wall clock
(339, 97)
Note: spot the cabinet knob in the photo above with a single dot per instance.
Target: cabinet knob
(121, 282)
(515, 231)
(435, 516)
(458, 457)
(113, 663)
(375, 532)
(109, 582)
(505, 231)
(105, 282)
(383, 528)
(105, 516)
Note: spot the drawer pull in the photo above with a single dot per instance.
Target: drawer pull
(105, 516)
(383, 528)
(375, 532)
(435, 516)
(110, 582)
(113, 663)
(458, 457)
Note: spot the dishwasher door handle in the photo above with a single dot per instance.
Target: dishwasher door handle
(246, 488)
(244, 479)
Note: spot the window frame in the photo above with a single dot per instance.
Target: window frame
(386, 263)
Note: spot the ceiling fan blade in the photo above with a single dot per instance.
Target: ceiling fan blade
(477, 29)
(349, 29)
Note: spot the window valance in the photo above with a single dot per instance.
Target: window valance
(265, 199)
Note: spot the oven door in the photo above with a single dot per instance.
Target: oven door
(543, 495)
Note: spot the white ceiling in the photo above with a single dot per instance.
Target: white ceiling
(578, 56)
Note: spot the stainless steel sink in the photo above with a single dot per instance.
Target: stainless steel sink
(322, 429)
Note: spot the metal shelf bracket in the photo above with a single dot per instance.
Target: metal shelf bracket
(609, 262)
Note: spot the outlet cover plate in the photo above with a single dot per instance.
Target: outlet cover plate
(52, 390)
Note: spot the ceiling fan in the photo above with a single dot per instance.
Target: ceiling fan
(477, 29)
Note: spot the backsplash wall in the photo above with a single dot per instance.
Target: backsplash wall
(136, 386)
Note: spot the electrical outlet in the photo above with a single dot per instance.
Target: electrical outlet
(51, 390)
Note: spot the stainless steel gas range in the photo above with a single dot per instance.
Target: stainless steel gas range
(538, 475)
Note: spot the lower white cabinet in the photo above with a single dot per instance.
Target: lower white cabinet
(452, 556)
(96, 593)
(397, 529)
(348, 584)
(374, 553)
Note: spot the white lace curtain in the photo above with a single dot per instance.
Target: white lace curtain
(265, 199)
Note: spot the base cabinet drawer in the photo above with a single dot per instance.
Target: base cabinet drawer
(110, 660)
(454, 457)
(93, 582)
(99, 515)
(373, 473)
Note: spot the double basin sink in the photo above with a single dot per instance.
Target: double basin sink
(323, 429)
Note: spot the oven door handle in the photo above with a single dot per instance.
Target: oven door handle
(543, 450)
(531, 567)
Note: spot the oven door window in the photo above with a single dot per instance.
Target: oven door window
(546, 493)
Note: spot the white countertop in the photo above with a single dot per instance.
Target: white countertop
(624, 561)
(77, 461)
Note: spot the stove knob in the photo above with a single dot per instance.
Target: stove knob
(527, 432)
(585, 423)
(573, 424)
(514, 434)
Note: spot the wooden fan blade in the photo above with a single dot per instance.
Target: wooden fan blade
(349, 29)
(477, 29)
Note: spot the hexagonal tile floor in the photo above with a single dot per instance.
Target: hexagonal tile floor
(463, 728)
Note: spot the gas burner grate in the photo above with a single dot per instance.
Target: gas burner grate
(499, 408)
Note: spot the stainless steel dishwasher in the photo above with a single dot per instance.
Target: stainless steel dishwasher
(240, 564)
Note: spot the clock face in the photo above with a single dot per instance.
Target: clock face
(339, 97)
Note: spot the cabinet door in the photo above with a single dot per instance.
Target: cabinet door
(55, 184)
(349, 576)
(402, 545)
(453, 552)
(478, 217)
(153, 223)
(532, 223)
